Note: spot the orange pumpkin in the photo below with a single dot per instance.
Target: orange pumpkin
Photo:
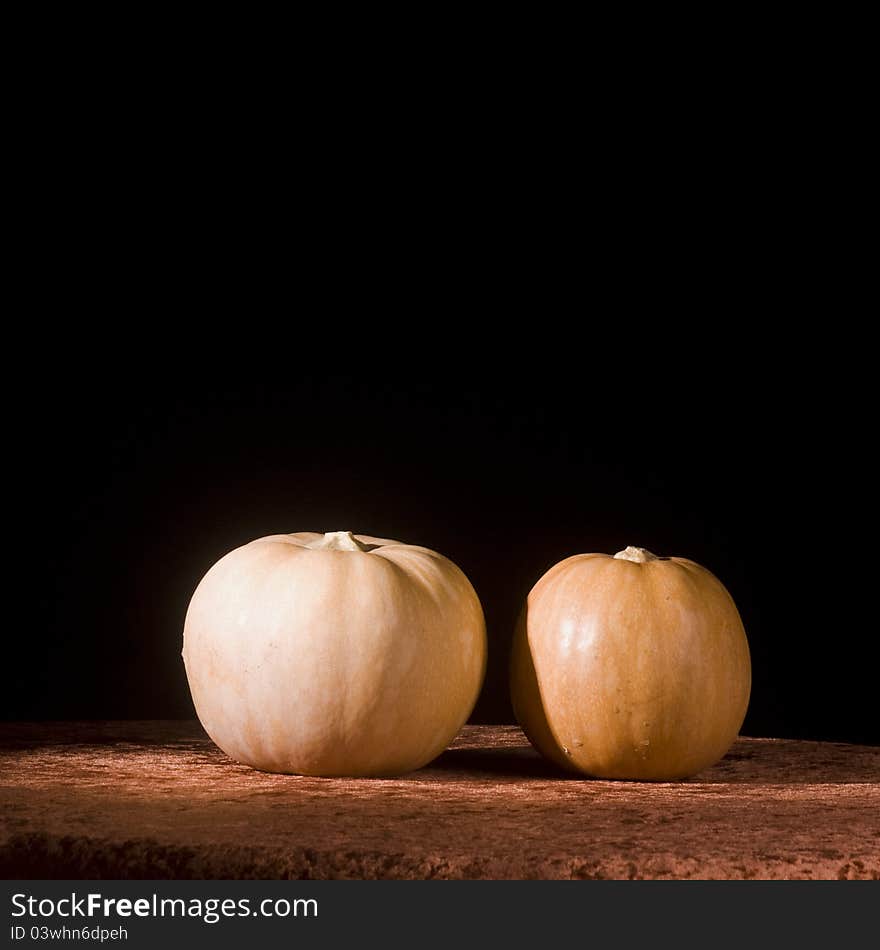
(631, 666)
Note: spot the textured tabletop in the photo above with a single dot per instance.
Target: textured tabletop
(159, 800)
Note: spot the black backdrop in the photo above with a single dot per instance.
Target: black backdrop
(152, 447)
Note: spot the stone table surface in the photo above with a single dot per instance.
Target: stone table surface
(159, 800)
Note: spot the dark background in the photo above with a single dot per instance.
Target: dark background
(506, 431)
(510, 316)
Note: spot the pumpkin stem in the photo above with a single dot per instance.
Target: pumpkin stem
(638, 555)
(339, 541)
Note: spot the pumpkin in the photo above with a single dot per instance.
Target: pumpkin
(334, 654)
(630, 667)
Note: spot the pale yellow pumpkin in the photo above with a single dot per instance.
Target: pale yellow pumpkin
(631, 666)
(334, 654)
